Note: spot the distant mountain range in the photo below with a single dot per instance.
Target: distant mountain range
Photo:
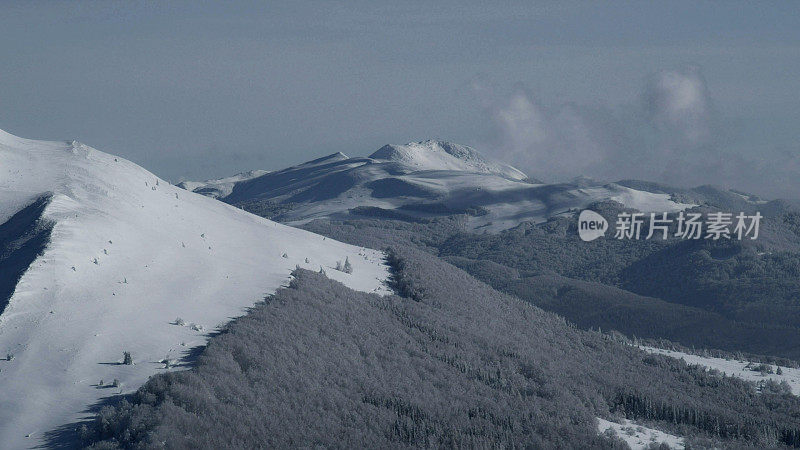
(220, 187)
(422, 180)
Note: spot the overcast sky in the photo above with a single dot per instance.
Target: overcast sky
(685, 93)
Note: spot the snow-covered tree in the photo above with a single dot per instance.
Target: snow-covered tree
(348, 268)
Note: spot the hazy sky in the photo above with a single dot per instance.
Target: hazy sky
(686, 93)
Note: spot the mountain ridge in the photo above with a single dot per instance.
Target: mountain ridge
(423, 180)
(124, 254)
(444, 155)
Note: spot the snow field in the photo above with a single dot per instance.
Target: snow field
(130, 253)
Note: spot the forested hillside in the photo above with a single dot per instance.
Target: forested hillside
(735, 296)
(451, 363)
(728, 295)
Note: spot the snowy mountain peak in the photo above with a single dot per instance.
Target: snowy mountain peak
(442, 155)
(99, 256)
(334, 157)
(423, 180)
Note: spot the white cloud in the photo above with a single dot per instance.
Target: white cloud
(677, 102)
(556, 142)
(673, 136)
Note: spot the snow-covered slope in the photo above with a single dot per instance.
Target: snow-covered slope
(736, 368)
(439, 155)
(221, 187)
(639, 437)
(127, 254)
(423, 180)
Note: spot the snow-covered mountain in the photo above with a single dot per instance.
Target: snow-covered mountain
(426, 179)
(221, 187)
(439, 155)
(99, 257)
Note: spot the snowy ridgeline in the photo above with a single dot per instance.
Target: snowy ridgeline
(419, 180)
(129, 259)
(638, 437)
(746, 370)
(221, 187)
